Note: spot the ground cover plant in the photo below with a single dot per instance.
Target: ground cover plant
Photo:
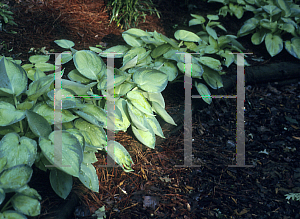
(213, 189)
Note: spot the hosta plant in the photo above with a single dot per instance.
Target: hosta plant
(273, 21)
(27, 134)
(158, 53)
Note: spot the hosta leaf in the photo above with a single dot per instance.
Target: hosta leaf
(285, 7)
(129, 64)
(132, 41)
(120, 49)
(137, 117)
(170, 69)
(39, 58)
(94, 136)
(271, 9)
(229, 57)
(45, 66)
(186, 36)
(88, 176)
(15, 177)
(90, 112)
(211, 32)
(79, 89)
(18, 150)
(139, 101)
(13, 77)
(146, 137)
(268, 25)
(2, 195)
(160, 50)
(124, 88)
(12, 214)
(213, 17)
(151, 40)
(196, 69)
(74, 75)
(204, 92)
(211, 62)
(71, 152)
(196, 21)
(212, 78)
(293, 47)
(39, 87)
(61, 183)
(248, 26)
(48, 113)
(274, 44)
(68, 98)
(122, 105)
(66, 44)
(237, 10)
(38, 124)
(66, 56)
(9, 114)
(89, 64)
(26, 205)
(150, 80)
(120, 155)
(156, 97)
(136, 32)
(258, 37)
(26, 190)
(163, 113)
(154, 124)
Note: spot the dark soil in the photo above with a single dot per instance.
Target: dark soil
(157, 188)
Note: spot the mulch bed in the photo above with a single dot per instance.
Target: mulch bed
(157, 188)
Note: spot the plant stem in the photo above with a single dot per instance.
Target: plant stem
(16, 103)
(5, 206)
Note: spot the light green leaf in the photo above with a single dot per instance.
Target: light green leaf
(66, 44)
(120, 155)
(146, 137)
(274, 44)
(89, 64)
(75, 75)
(122, 106)
(160, 50)
(94, 114)
(79, 89)
(71, 152)
(154, 124)
(132, 41)
(229, 57)
(271, 9)
(196, 21)
(170, 69)
(94, 136)
(13, 77)
(38, 124)
(186, 36)
(39, 87)
(269, 25)
(211, 32)
(156, 97)
(150, 80)
(151, 40)
(12, 215)
(213, 17)
(39, 58)
(163, 113)
(120, 49)
(61, 183)
(136, 32)
(139, 101)
(15, 177)
(196, 69)
(237, 10)
(137, 117)
(66, 56)
(68, 98)
(18, 150)
(26, 205)
(88, 176)
(9, 115)
(210, 62)
(212, 78)
(129, 64)
(48, 113)
(204, 92)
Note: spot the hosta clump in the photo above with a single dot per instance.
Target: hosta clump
(155, 53)
(273, 21)
(27, 134)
